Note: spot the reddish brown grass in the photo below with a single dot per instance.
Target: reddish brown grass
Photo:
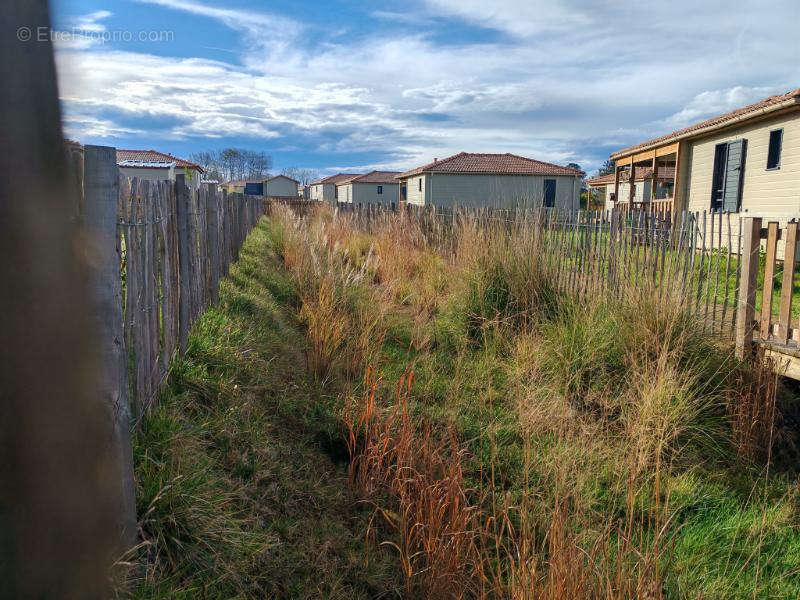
(753, 408)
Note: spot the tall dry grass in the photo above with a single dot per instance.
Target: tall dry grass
(342, 312)
(613, 398)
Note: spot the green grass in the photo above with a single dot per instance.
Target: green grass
(241, 492)
(712, 280)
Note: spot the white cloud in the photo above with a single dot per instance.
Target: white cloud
(708, 104)
(518, 17)
(90, 23)
(567, 79)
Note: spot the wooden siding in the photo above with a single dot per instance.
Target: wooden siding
(773, 194)
(640, 194)
(413, 194)
(322, 192)
(345, 193)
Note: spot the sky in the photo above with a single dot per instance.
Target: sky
(342, 85)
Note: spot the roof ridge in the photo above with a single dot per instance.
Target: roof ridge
(494, 163)
(719, 120)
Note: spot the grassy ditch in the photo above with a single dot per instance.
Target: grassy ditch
(238, 493)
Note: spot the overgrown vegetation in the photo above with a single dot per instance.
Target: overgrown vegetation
(515, 441)
(495, 437)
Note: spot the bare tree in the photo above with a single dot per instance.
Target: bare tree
(607, 168)
(234, 163)
(303, 175)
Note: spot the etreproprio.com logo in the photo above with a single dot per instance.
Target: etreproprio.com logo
(44, 34)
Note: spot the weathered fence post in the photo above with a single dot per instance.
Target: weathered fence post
(212, 208)
(746, 310)
(612, 250)
(183, 207)
(101, 193)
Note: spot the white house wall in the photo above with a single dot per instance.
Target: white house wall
(322, 192)
(641, 192)
(149, 173)
(344, 193)
(416, 190)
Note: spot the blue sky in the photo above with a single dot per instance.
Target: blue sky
(346, 85)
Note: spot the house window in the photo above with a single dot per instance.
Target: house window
(419, 183)
(380, 189)
(549, 193)
(335, 192)
(775, 144)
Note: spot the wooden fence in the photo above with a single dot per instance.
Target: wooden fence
(174, 245)
(737, 278)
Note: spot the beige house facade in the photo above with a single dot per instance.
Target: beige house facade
(473, 180)
(281, 186)
(324, 190)
(376, 187)
(745, 162)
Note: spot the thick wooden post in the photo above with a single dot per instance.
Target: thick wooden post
(632, 186)
(101, 192)
(60, 503)
(654, 183)
(787, 291)
(183, 208)
(746, 309)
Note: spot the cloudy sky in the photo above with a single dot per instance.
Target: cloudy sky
(347, 85)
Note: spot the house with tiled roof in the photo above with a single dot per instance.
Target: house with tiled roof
(155, 166)
(496, 180)
(746, 161)
(602, 187)
(324, 190)
(375, 187)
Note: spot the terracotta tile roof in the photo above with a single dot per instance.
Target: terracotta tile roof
(753, 110)
(152, 156)
(373, 177)
(601, 179)
(334, 179)
(491, 164)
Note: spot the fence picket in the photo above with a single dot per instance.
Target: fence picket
(769, 277)
(789, 254)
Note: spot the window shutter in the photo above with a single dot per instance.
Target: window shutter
(734, 176)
